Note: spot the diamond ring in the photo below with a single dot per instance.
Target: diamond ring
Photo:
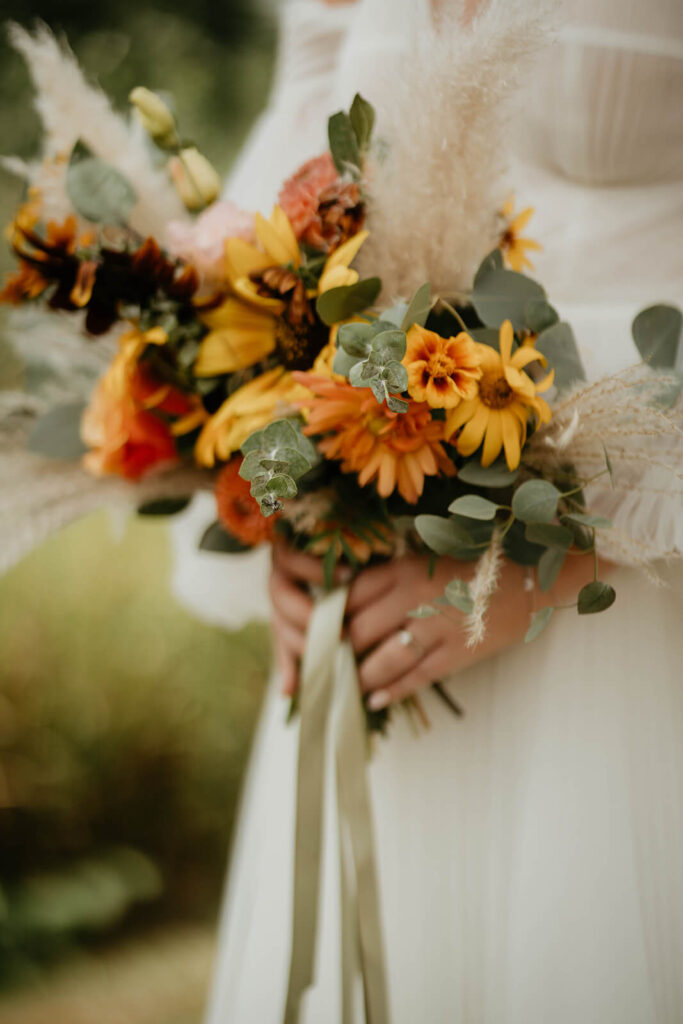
(407, 639)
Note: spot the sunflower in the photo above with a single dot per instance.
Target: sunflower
(249, 408)
(270, 307)
(398, 449)
(506, 397)
(441, 371)
(511, 243)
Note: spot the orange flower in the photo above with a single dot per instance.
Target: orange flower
(238, 512)
(132, 417)
(441, 371)
(514, 247)
(300, 194)
(398, 449)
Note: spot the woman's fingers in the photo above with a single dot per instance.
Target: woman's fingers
(427, 671)
(305, 568)
(402, 652)
(288, 667)
(289, 600)
(378, 621)
(370, 585)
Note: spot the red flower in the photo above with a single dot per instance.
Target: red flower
(238, 512)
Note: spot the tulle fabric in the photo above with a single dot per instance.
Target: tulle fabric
(530, 855)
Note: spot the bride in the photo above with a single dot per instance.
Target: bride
(530, 855)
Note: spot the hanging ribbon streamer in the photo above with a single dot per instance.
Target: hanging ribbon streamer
(328, 661)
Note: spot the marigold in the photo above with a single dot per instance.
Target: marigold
(398, 449)
(238, 512)
(441, 371)
(506, 397)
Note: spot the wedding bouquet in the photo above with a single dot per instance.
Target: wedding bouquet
(285, 363)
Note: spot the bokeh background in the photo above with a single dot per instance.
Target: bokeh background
(124, 722)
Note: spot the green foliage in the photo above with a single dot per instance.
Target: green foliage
(540, 315)
(657, 334)
(535, 501)
(457, 593)
(549, 566)
(163, 506)
(216, 538)
(350, 135)
(371, 353)
(274, 459)
(595, 597)
(418, 308)
(538, 623)
(558, 345)
(474, 506)
(97, 190)
(500, 295)
(496, 476)
(339, 304)
(58, 433)
(599, 522)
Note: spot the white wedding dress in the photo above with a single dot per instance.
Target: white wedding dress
(531, 854)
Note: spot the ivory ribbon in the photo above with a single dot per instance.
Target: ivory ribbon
(326, 660)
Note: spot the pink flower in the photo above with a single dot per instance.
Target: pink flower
(300, 194)
(202, 242)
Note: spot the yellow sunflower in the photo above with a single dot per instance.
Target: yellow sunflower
(249, 408)
(506, 397)
(513, 246)
(270, 305)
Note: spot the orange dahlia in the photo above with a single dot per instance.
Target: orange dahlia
(441, 371)
(397, 449)
(238, 512)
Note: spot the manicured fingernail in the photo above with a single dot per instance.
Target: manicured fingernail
(378, 700)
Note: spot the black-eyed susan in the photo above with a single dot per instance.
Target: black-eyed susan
(513, 246)
(506, 398)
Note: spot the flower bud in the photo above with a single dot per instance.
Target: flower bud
(195, 179)
(155, 117)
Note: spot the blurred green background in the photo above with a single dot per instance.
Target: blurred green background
(124, 722)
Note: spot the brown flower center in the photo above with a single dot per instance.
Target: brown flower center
(495, 391)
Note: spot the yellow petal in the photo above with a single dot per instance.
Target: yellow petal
(226, 350)
(508, 207)
(521, 220)
(248, 291)
(511, 437)
(461, 414)
(505, 338)
(155, 336)
(529, 243)
(527, 354)
(283, 226)
(236, 314)
(546, 382)
(336, 277)
(473, 432)
(493, 441)
(243, 259)
(519, 382)
(277, 238)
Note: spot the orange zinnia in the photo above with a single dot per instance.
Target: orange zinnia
(238, 512)
(441, 371)
(398, 449)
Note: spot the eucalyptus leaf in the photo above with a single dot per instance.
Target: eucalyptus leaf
(474, 506)
(520, 550)
(419, 307)
(485, 336)
(492, 261)
(657, 333)
(343, 142)
(389, 346)
(282, 486)
(395, 315)
(539, 315)
(163, 506)
(424, 611)
(599, 522)
(341, 303)
(550, 535)
(558, 345)
(343, 363)
(58, 433)
(442, 536)
(595, 597)
(496, 475)
(535, 501)
(396, 404)
(458, 594)
(98, 191)
(503, 295)
(549, 565)
(355, 339)
(538, 624)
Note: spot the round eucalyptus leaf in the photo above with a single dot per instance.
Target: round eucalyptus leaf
(492, 261)
(98, 191)
(338, 304)
(535, 501)
(503, 295)
(539, 315)
(550, 534)
(497, 475)
(538, 624)
(419, 307)
(599, 522)
(474, 506)
(595, 597)
(549, 565)
(657, 333)
(457, 593)
(558, 345)
(441, 535)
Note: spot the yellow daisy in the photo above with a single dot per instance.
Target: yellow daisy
(506, 397)
(513, 246)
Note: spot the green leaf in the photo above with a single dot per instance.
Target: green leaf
(343, 143)
(474, 506)
(520, 550)
(441, 535)
(362, 118)
(535, 501)
(329, 565)
(558, 345)
(549, 565)
(356, 339)
(343, 363)
(419, 307)
(341, 303)
(396, 404)
(539, 315)
(457, 593)
(657, 333)
(282, 486)
(599, 522)
(216, 538)
(550, 535)
(395, 315)
(538, 624)
(57, 434)
(497, 475)
(389, 346)
(503, 295)
(163, 506)
(595, 597)
(492, 261)
(97, 190)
